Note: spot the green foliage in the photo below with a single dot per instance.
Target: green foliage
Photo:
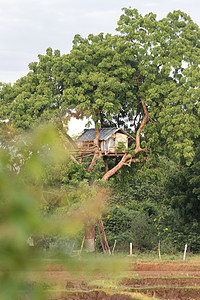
(120, 147)
(101, 74)
(168, 53)
(147, 206)
(183, 188)
(74, 174)
(34, 97)
(127, 225)
(174, 232)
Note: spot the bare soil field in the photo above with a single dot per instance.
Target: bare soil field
(166, 281)
(143, 280)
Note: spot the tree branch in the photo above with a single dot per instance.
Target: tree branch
(122, 162)
(71, 141)
(97, 153)
(66, 146)
(117, 167)
(96, 156)
(74, 159)
(146, 117)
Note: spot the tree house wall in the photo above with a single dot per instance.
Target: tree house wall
(106, 146)
(112, 143)
(121, 138)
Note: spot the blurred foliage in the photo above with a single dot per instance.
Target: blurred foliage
(34, 203)
(19, 218)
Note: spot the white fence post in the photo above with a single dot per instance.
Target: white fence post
(159, 250)
(131, 249)
(184, 255)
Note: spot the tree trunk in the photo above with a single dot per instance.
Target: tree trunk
(105, 158)
(90, 237)
(90, 229)
(97, 154)
(96, 140)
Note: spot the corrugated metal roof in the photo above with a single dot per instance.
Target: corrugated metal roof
(105, 133)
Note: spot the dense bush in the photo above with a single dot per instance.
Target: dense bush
(125, 226)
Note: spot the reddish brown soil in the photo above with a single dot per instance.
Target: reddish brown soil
(166, 282)
(95, 295)
(172, 294)
(165, 269)
(175, 281)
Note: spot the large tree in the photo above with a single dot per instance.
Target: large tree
(146, 77)
(149, 74)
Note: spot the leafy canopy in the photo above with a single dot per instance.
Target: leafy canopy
(168, 55)
(104, 77)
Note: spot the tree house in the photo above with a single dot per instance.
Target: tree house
(112, 142)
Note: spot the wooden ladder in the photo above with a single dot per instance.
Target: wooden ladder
(102, 235)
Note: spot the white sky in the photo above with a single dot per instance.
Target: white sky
(29, 27)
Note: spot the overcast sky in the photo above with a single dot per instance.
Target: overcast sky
(29, 27)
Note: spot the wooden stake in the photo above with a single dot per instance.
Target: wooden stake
(82, 244)
(184, 255)
(102, 244)
(131, 249)
(104, 236)
(159, 250)
(113, 250)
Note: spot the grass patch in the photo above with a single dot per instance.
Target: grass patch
(105, 284)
